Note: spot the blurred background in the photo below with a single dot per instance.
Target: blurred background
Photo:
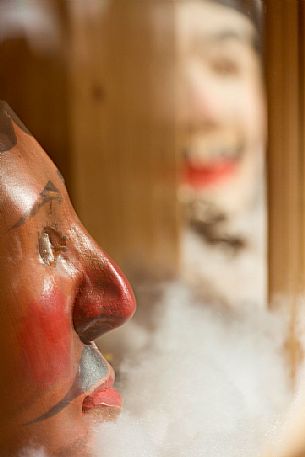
(154, 112)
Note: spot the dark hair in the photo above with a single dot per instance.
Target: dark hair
(253, 9)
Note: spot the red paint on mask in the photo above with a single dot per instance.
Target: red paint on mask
(106, 397)
(45, 338)
(201, 176)
(105, 301)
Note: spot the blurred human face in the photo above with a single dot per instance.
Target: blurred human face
(59, 292)
(220, 109)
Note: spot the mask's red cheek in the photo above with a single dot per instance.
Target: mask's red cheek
(45, 339)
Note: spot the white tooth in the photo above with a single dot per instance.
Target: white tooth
(203, 155)
(210, 155)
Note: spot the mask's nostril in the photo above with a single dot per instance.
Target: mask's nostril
(89, 332)
(105, 301)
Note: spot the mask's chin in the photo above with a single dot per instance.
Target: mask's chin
(66, 428)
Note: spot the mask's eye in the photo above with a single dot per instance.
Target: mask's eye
(225, 67)
(51, 245)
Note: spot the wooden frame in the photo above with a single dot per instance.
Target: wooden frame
(284, 46)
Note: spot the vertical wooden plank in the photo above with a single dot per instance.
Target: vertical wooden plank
(33, 80)
(123, 130)
(285, 161)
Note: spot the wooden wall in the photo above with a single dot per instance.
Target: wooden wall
(284, 46)
(34, 82)
(123, 130)
(102, 106)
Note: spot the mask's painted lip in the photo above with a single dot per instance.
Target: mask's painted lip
(94, 373)
(100, 399)
(202, 176)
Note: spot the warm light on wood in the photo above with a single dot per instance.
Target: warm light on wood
(285, 157)
(123, 130)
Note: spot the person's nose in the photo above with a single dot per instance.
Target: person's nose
(105, 299)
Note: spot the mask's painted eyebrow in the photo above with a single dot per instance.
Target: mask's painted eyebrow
(239, 36)
(230, 34)
(60, 175)
(48, 194)
(8, 137)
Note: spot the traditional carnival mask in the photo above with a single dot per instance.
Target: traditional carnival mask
(59, 292)
(221, 110)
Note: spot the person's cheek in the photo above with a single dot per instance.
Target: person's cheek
(45, 338)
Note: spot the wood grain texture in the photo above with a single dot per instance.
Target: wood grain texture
(285, 157)
(123, 130)
(33, 80)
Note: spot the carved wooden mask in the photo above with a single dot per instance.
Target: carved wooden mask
(58, 292)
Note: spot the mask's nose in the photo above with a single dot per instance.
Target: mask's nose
(200, 98)
(105, 299)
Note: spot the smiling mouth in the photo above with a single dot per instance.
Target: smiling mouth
(95, 378)
(205, 168)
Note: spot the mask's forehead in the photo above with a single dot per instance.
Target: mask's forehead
(210, 22)
(28, 178)
(18, 189)
(8, 137)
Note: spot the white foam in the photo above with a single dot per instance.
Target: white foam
(205, 382)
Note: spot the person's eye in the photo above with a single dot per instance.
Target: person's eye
(225, 67)
(51, 245)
